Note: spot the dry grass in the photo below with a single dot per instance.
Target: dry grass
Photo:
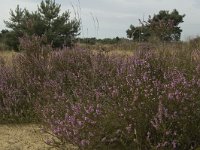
(7, 56)
(22, 137)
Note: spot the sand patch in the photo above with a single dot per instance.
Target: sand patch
(22, 137)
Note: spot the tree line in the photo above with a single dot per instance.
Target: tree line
(60, 30)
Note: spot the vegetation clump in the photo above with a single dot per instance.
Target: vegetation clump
(47, 21)
(101, 101)
(163, 26)
(93, 100)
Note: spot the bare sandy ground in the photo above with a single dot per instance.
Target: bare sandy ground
(22, 137)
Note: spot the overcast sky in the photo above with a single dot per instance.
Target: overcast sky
(115, 16)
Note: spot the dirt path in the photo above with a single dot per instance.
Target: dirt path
(22, 137)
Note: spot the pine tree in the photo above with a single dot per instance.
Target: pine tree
(163, 26)
(47, 21)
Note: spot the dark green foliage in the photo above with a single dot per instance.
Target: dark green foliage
(16, 19)
(3, 37)
(109, 40)
(163, 26)
(47, 20)
(138, 33)
(93, 40)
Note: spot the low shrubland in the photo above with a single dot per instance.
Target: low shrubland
(94, 100)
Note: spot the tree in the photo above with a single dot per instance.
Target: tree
(15, 24)
(164, 26)
(47, 20)
(138, 34)
(3, 36)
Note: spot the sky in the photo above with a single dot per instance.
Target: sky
(111, 18)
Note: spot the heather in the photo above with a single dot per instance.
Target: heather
(96, 100)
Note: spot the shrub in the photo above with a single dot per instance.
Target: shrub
(15, 100)
(98, 101)
(21, 82)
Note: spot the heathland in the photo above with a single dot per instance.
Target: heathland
(131, 95)
(58, 91)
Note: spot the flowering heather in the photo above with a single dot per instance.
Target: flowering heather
(100, 101)
(111, 102)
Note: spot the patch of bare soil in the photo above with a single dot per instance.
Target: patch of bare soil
(22, 137)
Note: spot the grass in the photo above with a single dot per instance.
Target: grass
(7, 56)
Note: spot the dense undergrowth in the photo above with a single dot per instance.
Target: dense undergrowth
(94, 100)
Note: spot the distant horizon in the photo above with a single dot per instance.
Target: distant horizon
(115, 16)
